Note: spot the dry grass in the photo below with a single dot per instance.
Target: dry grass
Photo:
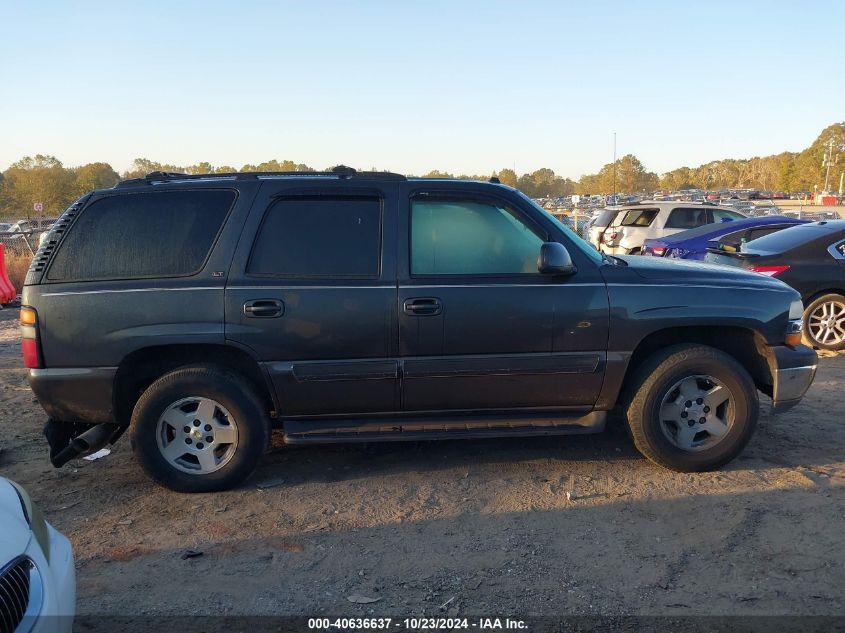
(16, 267)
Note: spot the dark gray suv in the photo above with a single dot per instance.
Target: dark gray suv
(200, 312)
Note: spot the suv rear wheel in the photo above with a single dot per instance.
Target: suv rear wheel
(693, 408)
(199, 429)
(824, 322)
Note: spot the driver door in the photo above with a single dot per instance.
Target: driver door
(479, 327)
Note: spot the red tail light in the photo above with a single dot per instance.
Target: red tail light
(30, 350)
(659, 251)
(610, 236)
(31, 357)
(769, 271)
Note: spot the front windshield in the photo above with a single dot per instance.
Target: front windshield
(579, 242)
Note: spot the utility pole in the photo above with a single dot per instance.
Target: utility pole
(828, 161)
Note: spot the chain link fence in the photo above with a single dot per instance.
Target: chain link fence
(19, 245)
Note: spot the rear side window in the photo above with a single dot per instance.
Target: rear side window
(142, 235)
(320, 236)
(639, 217)
(754, 234)
(686, 218)
(733, 239)
(791, 238)
(722, 214)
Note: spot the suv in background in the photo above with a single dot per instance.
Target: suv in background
(200, 312)
(622, 231)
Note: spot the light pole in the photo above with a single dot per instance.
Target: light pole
(828, 161)
(614, 168)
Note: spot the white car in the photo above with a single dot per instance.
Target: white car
(622, 230)
(37, 577)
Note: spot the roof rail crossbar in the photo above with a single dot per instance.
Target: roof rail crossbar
(341, 172)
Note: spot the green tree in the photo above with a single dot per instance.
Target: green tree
(507, 177)
(628, 175)
(40, 179)
(143, 166)
(94, 176)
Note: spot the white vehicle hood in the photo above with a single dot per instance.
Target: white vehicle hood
(14, 530)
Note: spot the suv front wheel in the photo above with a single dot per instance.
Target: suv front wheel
(693, 408)
(199, 429)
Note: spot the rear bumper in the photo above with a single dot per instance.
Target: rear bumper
(75, 394)
(792, 374)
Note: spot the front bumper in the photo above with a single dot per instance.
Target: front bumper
(792, 374)
(57, 583)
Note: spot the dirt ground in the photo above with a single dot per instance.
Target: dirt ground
(569, 525)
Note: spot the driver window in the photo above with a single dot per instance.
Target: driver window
(466, 237)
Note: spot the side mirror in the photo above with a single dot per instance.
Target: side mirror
(555, 260)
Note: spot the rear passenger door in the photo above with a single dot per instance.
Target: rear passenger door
(312, 294)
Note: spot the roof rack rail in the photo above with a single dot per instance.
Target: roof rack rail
(341, 171)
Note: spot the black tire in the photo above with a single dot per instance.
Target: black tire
(654, 378)
(837, 302)
(203, 381)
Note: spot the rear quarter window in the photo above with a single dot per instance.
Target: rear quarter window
(142, 235)
(605, 218)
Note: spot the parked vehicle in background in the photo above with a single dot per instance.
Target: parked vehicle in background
(811, 259)
(37, 576)
(629, 226)
(599, 221)
(198, 312)
(693, 243)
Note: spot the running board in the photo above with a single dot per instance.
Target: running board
(415, 429)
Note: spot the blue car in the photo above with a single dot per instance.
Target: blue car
(730, 234)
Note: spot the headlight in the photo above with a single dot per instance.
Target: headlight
(36, 520)
(796, 310)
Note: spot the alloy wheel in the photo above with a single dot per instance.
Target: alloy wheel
(826, 324)
(197, 435)
(697, 412)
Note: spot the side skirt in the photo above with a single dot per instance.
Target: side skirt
(440, 428)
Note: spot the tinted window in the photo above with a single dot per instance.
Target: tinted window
(754, 234)
(732, 239)
(792, 237)
(470, 238)
(136, 235)
(320, 236)
(639, 217)
(605, 217)
(686, 218)
(722, 214)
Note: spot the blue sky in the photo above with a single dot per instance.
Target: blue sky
(411, 86)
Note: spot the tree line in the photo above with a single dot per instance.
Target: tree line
(46, 180)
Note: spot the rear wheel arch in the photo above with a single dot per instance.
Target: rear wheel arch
(139, 369)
